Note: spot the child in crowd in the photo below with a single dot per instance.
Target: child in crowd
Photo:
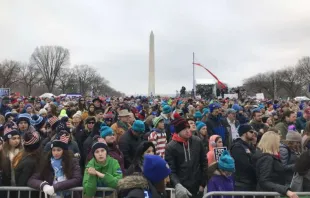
(221, 179)
(214, 142)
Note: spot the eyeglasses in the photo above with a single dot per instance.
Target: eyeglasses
(91, 123)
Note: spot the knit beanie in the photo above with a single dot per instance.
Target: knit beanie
(7, 115)
(167, 109)
(105, 131)
(31, 141)
(62, 125)
(198, 114)
(293, 136)
(199, 125)
(37, 120)
(109, 116)
(78, 114)
(24, 117)
(99, 145)
(214, 106)
(61, 142)
(236, 107)
(155, 168)
(157, 120)
(205, 111)
(53, 121)
(179, 124)
(10, 129)
(138, 126)
(244, 128)
(42, 111)
(226, 162)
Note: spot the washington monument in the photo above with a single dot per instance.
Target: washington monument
(151, 91)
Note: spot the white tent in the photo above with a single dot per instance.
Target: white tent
(46, 95)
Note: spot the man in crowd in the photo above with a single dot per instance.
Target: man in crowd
(186, 157)
(242, 151)
(301, 121)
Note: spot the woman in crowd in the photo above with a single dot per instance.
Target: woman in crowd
(150, 184)
(137, 162)
(289, 153)
(269, 169)
(214, 142)
(26, 161)
(101, 171)
(202, 133)
(11, 147)
(301, 181)
(58, 172)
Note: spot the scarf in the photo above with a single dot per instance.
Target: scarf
(122, 125)
(58, 174)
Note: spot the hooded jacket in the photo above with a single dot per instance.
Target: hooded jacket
(187, 163)
(288, 159)
(210, 154)
(216, 126)
(137, 186)
(110, 169)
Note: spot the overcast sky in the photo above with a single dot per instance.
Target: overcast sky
(234, 39)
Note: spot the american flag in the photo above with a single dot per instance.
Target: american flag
(64, 138)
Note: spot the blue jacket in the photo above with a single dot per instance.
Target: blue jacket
(216, 126)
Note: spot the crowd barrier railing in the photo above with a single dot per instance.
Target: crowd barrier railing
(17, 190)
(249, 194)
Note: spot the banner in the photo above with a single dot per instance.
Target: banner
(231, 96)
(4, 92)
(218, 152)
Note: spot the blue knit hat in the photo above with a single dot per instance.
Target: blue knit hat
(138, 126)
(214, 106)
(205, 111)
(236, 107)
(36, 120)
(199, 125)
(167, 109)
(105, 131)
(24, 117)
(226, 162)
(197, 114)
(155, 168)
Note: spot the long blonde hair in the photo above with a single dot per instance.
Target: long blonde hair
(270, 143)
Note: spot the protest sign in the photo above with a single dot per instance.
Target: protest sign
(218, 152)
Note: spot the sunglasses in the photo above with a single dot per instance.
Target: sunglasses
(251, 131)
(90, 123)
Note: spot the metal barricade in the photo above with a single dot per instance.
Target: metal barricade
(18, 190)
(249, 194)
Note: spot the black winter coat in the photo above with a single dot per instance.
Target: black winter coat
(270, 173)
(137, 186)
(191, 173)
(36, 181)
(245, 177)
(128, 144)
(288, 159)
(5, 176)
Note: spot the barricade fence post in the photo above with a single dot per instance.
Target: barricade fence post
(20, 190)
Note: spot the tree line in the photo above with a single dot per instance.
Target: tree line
(290, 81)
(49, 70)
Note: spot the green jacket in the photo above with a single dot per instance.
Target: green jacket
(112, 172)
(283, 127)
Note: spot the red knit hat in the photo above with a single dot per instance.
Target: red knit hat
(179, 123)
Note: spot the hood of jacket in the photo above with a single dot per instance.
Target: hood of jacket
(212, 139)
(131, 182)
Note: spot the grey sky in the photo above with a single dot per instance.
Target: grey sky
(234, 39)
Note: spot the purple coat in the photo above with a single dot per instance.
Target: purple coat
(76, 181)
(221, 183)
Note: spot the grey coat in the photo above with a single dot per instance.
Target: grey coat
(288, 159)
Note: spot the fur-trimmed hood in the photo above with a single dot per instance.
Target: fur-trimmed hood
(131, 182)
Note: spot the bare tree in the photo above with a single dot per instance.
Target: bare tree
(9, 71)
(50, 60)
(30, 77)
(67, 81)
(292, 80)
(85, 76)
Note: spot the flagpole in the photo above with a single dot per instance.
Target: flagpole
(194, 80)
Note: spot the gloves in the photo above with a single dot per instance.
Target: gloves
(47, 189)
(182, 192)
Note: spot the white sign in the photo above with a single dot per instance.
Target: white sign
(231, 96)
(260, 96)
(218, 152)
(4, 92)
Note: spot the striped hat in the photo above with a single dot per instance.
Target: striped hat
(61, 142)
(10, 129)
(31, 141)
(179, 123)
(52, 121)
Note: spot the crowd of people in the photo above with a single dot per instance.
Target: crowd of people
(142, 145)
